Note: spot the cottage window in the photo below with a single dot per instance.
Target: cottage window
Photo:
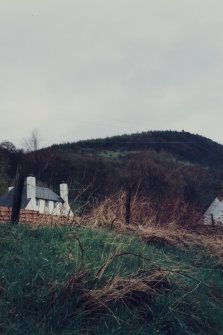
(37, 202)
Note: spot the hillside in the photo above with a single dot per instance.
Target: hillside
(70, 280)
(182, 145)
(164, 167)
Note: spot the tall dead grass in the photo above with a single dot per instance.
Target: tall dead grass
(174, 223)
(133, 291)
(144, 212)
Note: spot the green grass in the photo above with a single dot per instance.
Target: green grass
(47, 274)
(115, 154)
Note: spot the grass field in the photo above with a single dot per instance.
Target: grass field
(72, 280)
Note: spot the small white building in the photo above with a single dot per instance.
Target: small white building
(214, 213)
(40, 199)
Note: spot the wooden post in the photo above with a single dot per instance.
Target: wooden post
(17, 198)
(128, 205)
(212, 220)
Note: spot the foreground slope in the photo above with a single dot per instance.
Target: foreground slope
(66, 280)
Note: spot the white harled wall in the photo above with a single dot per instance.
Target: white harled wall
(58, 209)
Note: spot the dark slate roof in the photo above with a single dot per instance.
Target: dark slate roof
(41, 193)
(47, 194)
(7, 199)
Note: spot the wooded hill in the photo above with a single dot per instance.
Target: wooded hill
(182, 145)
(163, 166)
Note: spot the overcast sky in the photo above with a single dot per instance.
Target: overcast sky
(79, 69)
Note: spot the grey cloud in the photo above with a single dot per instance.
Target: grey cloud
(82, 68)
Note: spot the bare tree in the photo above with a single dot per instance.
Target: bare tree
(32, 143)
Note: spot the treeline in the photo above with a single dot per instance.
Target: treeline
(165, 167)
(9, 156)
(155, 175)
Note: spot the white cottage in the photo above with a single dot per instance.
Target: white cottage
(214, 213)
(40, 199)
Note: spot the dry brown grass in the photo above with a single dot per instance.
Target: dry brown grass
(144, 212)
(145, 224)
(209, 237)
(132, 291)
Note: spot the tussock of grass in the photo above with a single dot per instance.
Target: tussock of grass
(72, 280)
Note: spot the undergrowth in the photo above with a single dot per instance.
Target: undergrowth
(73, 280)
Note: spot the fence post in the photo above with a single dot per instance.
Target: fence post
(17, 198)
(212, 220)
(128, 205)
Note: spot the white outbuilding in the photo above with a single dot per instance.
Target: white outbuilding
(214, 213)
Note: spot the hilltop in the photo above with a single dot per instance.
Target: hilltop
(182, 145)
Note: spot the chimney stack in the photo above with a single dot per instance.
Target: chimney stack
(64, 192)
(31, 187)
